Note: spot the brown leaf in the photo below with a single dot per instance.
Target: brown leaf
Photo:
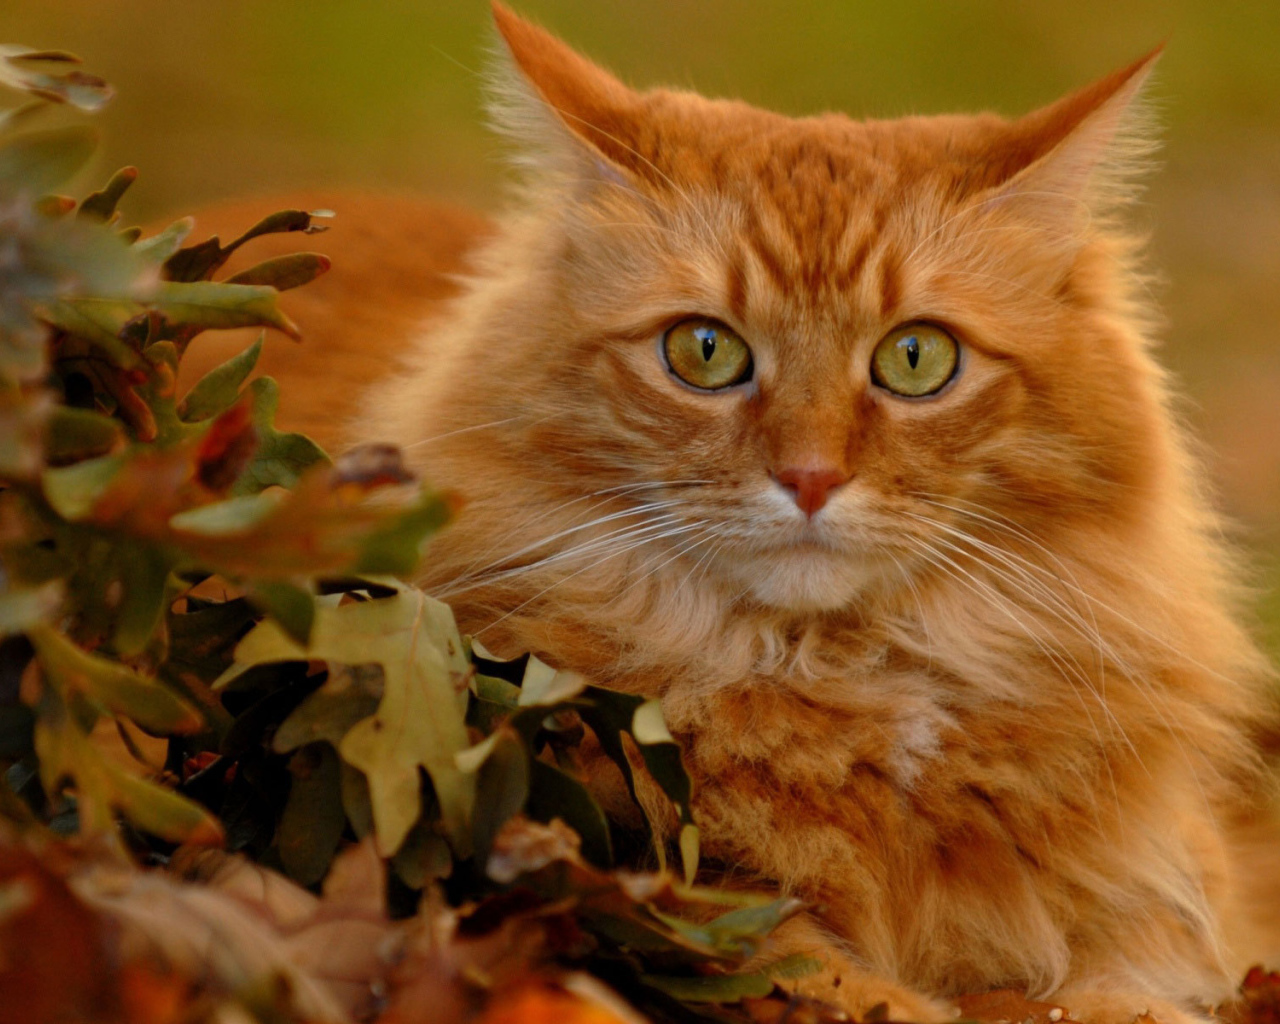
(284, 272)
(286, 904)
(227, 448)
(357, 880)
(792, 1009)
(368, 466)
(150, 997)
(1258, 1002)
(446, 976)
(539, 1003)
(523, 847)
(53, 958)
(1007, 1004)
(344, 943)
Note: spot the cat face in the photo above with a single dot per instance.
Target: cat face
(832, 355)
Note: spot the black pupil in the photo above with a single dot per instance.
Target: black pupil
(707, 336)
(913, 351)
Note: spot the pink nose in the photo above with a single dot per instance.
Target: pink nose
(810, 487)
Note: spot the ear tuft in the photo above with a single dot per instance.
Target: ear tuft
(1088, 148)
(568, 115)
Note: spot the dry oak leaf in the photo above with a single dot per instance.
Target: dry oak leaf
(1258, 1002)
(420, 722)
(344, 942)
(196, 932)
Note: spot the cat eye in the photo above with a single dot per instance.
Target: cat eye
(915, 360)
(706, 354)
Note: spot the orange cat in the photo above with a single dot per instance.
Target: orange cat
(846, 439)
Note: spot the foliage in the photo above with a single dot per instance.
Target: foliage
(360, 814)
(181, 577)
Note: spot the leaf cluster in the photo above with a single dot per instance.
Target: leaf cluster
(222, 602)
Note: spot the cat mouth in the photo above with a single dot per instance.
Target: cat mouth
(809, 539)
(807, 546)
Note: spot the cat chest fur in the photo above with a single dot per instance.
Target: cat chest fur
(981, 864)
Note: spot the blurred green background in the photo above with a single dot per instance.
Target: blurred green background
(236, 98)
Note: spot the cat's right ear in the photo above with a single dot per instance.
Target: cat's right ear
(569, 116)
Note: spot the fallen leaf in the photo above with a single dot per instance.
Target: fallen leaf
(419, 723)
(1008, 1004)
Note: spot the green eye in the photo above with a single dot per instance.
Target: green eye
(707, 354)
(915, 360)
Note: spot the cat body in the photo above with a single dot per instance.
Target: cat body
(961, 669)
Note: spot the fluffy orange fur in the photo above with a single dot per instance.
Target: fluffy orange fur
(991, 709)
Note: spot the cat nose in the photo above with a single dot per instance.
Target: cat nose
(810, 487)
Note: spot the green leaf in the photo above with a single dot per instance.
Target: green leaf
(144, 568)
(544, 685)
(212, 304)
(312, 823)
(501, 763)
(394, 548)
(556, 794)
(281, 458)
(290, 605)
(792, 967)
(22, 608)
(731, 988)
(38, 162)
(424, 857)
(742, 929)
(689, 842)
(198, 262)
(201, 641)
(160, 247)
(101, 206)
(283, 221)
(195, 262)
(27, 70)
(66, 753)
(74, 490)
(495, 690)
(78, 434)
(350, 694)
(494, 699)
(712, 988)
(610, 713)
(284, 272)
(217, 390)
(113, 687)
(227, 518)
(740, 933)
(419, 722)
(356, 801)
(162, 812)
(100, 321)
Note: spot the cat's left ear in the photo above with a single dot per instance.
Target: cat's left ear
(1079, 155)
(568, 115)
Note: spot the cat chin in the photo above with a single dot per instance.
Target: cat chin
(814, 580)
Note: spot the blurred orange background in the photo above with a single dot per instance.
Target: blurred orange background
(238, 98)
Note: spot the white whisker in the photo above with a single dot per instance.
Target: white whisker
(614, 554)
